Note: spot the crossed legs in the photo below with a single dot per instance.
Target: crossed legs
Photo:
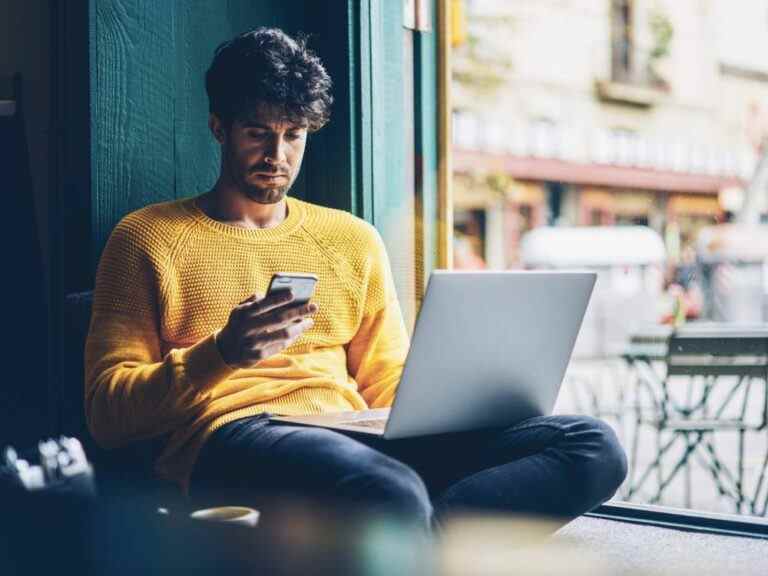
(555, 466)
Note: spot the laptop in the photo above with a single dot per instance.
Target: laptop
(489, 349)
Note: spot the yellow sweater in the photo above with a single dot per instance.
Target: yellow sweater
(166, 282)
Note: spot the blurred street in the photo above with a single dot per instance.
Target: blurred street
(628, 138)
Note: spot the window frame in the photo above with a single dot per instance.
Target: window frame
(683, 519)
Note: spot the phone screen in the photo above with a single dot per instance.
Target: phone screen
(302, 285)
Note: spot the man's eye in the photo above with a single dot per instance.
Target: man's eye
(293, 135)
(254, 134)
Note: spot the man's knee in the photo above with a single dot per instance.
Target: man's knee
(391, 486)
(600, 461)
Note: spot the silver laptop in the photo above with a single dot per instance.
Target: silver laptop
(489, 349)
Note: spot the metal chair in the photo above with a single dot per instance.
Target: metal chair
(721, 368)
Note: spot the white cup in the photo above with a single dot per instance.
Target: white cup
(240, 515)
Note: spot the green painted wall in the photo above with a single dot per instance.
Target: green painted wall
(392, 144)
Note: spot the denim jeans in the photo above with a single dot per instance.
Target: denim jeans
(554, 466)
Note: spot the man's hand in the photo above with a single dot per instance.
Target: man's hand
(260, 327)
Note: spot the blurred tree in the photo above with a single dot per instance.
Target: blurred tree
(662, 34)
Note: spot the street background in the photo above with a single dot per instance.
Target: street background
(628, 137)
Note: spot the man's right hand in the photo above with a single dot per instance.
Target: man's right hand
(260, 327)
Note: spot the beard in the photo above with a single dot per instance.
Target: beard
(261, 194)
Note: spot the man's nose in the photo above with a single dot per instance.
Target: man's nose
(277, 149)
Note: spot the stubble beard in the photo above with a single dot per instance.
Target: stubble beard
(260, 194)
(264, 195)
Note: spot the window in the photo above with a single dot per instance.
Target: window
(662, 181)
(622, 35)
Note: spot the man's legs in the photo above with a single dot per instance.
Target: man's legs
(557, 466)
(250, 461)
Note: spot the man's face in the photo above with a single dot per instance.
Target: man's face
(262, 152)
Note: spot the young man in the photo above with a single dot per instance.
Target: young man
(184, 347)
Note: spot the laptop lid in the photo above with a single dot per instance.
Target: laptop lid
(489, 349)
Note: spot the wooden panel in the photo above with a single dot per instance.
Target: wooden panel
(392, 149)
(331, 164)
(365, 112)
(200, 27)
(132, 109)
(425, 117)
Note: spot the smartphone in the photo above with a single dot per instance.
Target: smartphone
(302, 285)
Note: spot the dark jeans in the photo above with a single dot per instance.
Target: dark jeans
(556, 466)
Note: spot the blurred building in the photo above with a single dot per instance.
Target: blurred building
(605, 112)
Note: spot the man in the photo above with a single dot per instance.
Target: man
(183, 347)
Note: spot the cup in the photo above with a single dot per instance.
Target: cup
(240, 515)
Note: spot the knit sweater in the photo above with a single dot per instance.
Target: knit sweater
(166, 282)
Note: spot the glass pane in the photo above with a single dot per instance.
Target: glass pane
(631, 139)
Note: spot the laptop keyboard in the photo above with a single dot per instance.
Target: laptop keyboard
(379, 423)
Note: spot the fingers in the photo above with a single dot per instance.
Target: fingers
(270, 302)
(278, 317)
(265, 344)
(291, 332)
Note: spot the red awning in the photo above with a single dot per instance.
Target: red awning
(548, 169)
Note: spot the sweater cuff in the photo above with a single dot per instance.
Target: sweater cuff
(204, 366)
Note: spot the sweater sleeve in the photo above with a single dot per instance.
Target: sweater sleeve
(131, 391)
(376, 354)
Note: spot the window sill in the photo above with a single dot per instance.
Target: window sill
(682, 519)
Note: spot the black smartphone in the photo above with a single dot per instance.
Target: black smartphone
(302, 285)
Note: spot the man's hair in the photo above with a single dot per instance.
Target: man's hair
(266, 65)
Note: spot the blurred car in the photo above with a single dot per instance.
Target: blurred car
(629, 261)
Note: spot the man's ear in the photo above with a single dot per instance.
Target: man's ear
(217, 127)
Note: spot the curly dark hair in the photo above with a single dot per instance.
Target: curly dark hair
(266, 65)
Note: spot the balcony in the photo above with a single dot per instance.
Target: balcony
(633, 94)
(637, 85)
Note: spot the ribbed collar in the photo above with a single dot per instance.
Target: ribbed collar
(293, 219)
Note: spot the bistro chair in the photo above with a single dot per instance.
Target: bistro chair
(721, 374)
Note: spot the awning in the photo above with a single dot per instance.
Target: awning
(630, 177)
